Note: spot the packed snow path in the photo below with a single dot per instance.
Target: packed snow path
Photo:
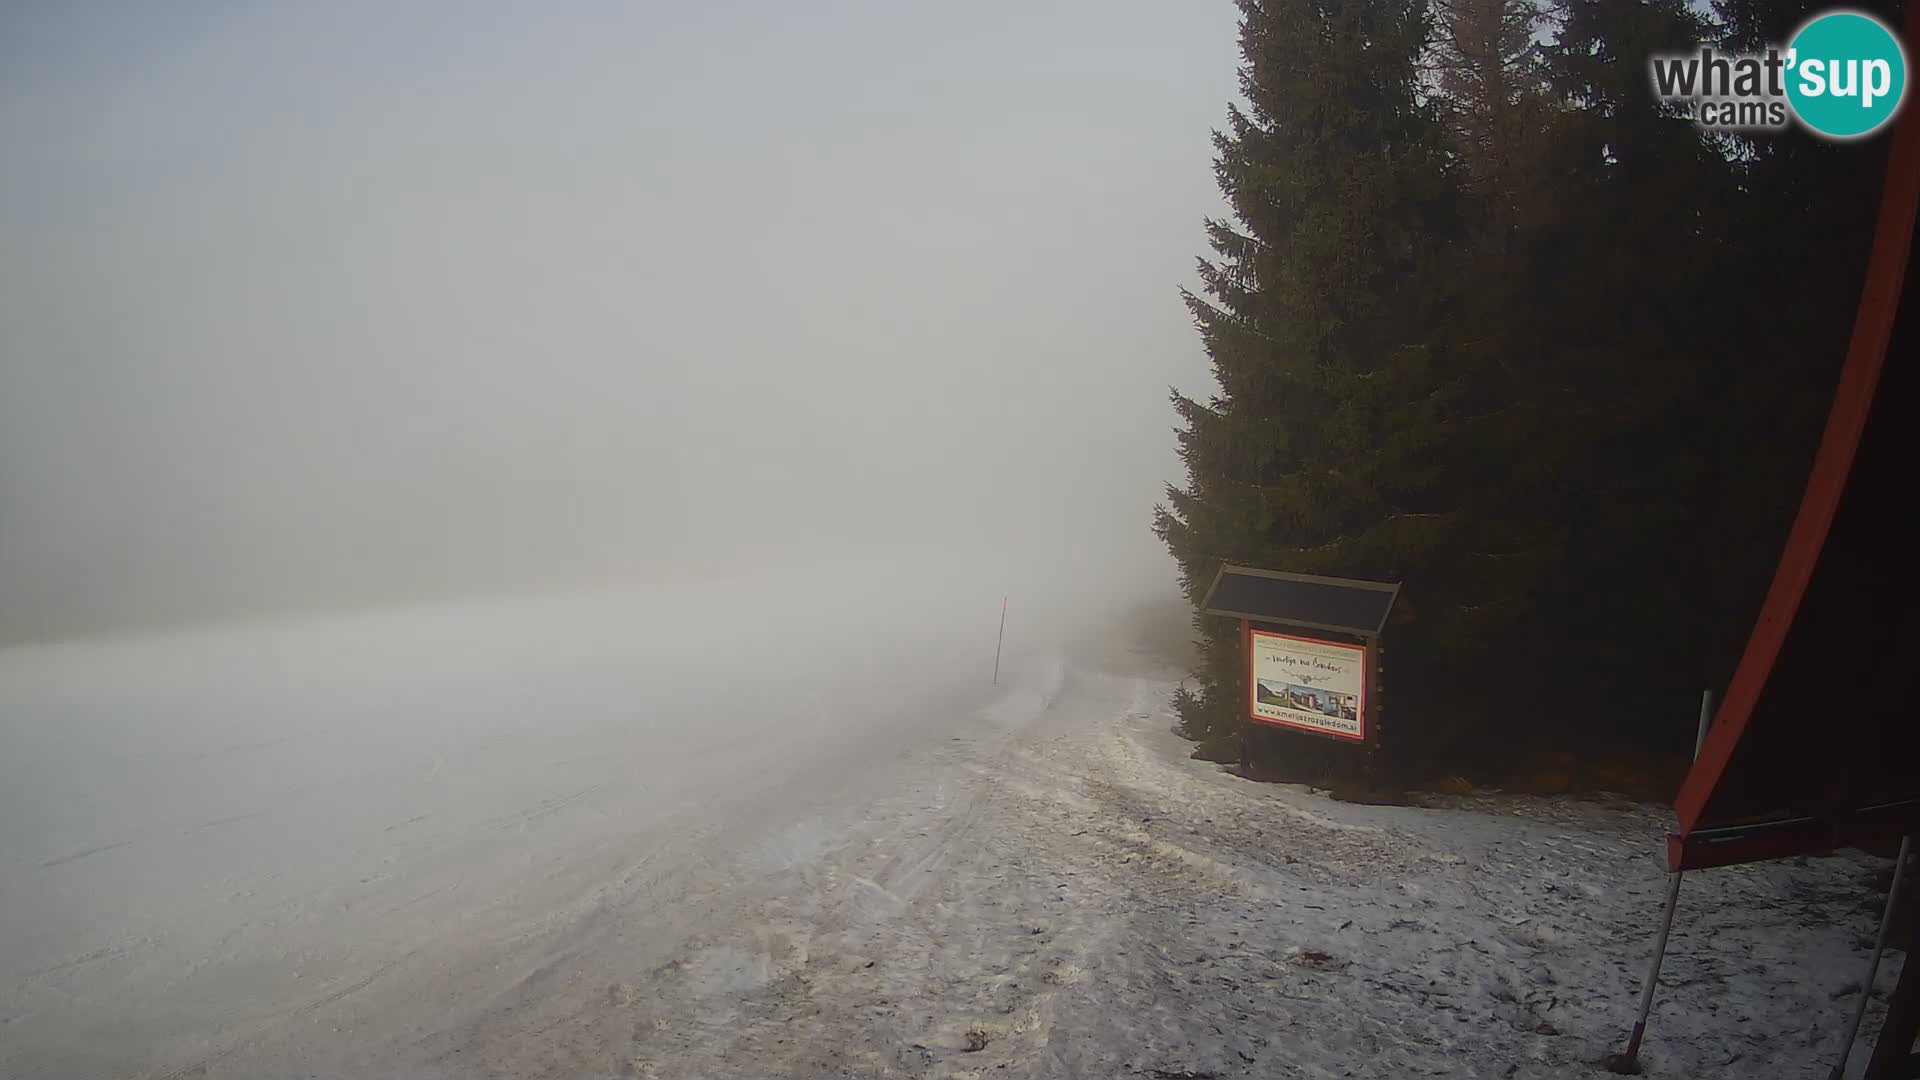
(937, 879)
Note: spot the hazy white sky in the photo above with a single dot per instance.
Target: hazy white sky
(344, 301)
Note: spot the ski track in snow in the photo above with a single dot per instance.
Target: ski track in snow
(1042, 885)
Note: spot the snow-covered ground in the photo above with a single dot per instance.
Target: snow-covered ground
(733, 830)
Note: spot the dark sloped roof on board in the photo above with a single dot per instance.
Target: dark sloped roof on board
(1343, 605)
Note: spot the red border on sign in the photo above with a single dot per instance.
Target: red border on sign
(1247, 634)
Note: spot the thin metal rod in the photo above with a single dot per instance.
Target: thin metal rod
(1879, 947)
(1706, 718)
(997, 642)
(1628, 1061)
(1632, 1053)
(1899, 1029)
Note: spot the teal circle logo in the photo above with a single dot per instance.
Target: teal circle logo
(1846, 74)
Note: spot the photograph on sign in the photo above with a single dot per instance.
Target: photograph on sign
(1316, 685)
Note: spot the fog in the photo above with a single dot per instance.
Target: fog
(351, 305)
(208, 837)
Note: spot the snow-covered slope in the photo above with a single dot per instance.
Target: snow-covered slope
(735, 829)
(206, 836)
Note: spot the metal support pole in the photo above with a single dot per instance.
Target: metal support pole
(1706, 718)
(1627, 1062)
(1893, 1057)
(1879, 947)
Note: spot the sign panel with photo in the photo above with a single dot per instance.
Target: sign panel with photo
(1319, 686)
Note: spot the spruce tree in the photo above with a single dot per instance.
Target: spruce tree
(1647, 210)
(1593, 216)
(1489, 70)
(1693, 385)
(1342, 436)
(1491, 320)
